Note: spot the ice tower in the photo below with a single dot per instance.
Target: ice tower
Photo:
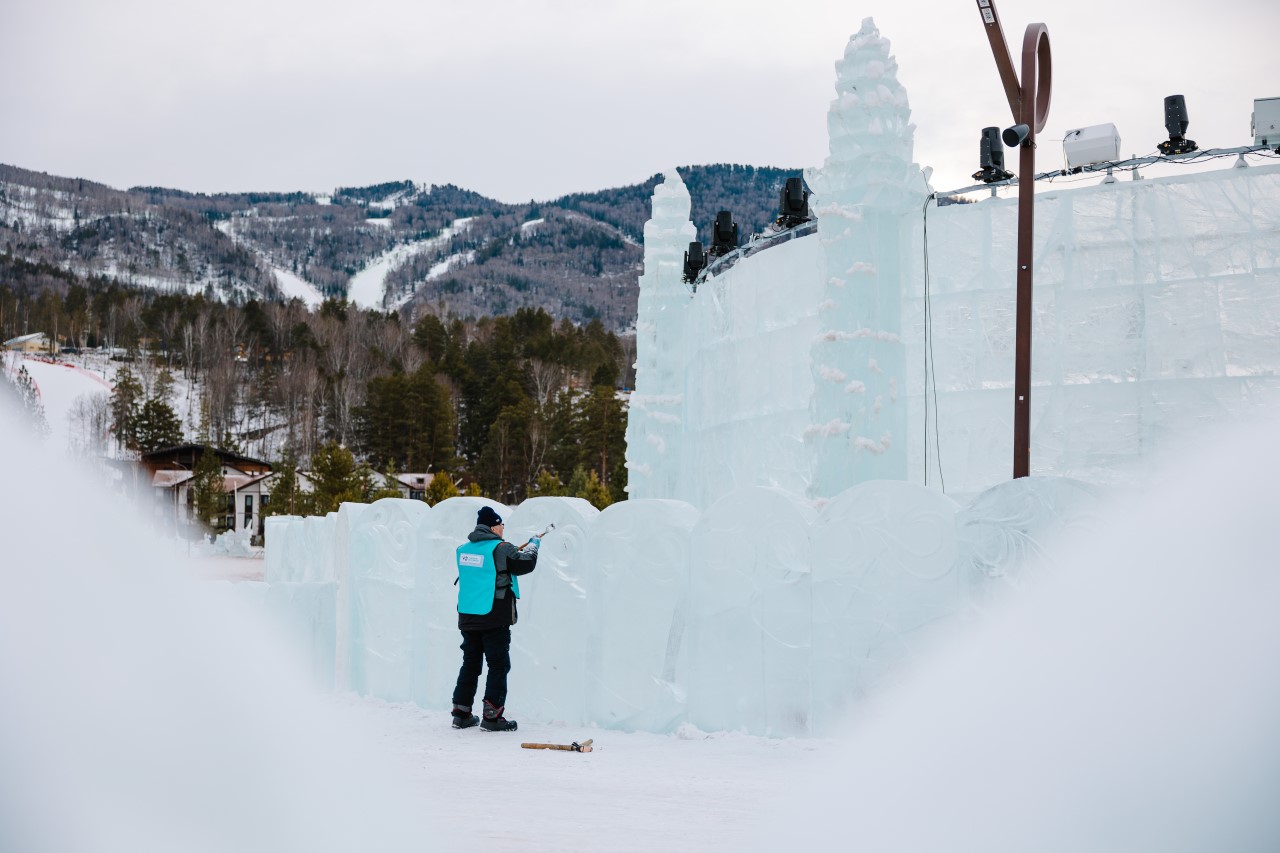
(655, 422)
(865, 187)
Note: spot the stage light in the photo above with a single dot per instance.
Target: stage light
(1176, 122)
(793, 204)
(991, 158)
(724, 235)
(694, 262)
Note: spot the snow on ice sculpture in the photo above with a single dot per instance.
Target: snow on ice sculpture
(435, 619)
(1011, 527)
(385, 552)
(636, 579)
(751, 619)
(655, 419)
(884, 556)
(548, 657)
(864, 190)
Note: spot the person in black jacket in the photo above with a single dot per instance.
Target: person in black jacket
(487, 593)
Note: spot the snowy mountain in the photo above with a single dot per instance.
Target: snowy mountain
(438, 249)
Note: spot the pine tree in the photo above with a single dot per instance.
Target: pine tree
(337, 478)
(32, 406)
(440, 488)
(207, 487)
(157, 426)
(586, 484)
(287, 498)
(548, 484)
(126, 403)
(164, 386)
(603, 430)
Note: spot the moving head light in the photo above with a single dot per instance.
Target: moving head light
(1176, 122)
(991, 158)
(793, 204)
(724, 235)
(694, 262)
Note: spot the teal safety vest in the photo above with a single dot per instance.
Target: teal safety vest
(478, 577)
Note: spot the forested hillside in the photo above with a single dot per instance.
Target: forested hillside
(516, 405)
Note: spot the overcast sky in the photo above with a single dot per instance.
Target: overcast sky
(536, 99)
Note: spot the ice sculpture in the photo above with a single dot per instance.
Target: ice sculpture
(300, 595)
(308, 614)
(275, 531)
(1010, 527)
(864, 189)
(547, 649)
(761, 614)
(1156, 309)
(884, 567)
(637, 565)
(385, 555)
(655, 423)
(751, 614)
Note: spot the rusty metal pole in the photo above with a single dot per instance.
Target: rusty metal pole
(1029, 103)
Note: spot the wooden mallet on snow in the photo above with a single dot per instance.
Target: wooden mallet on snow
(585, 746)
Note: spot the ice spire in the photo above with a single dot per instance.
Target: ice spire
(864, 190)
(655, 421)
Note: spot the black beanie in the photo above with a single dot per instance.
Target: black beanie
(487, 517)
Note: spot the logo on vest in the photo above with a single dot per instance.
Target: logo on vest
(471, 559)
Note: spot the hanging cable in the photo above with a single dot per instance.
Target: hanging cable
(929, 366)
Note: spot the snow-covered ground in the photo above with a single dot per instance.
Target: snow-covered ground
(635, 791)
(368, 287)
(294, 287)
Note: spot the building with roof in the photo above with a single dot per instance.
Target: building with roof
(246, 485)
(36, 342)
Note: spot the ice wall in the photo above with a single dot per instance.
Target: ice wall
(858, 357)
(760, 614)
(655, 424)
(748, 385)
(1157, 311)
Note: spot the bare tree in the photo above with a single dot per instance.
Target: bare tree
(91, 424)
(169, 328)
(548, 378)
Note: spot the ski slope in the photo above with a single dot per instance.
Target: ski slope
(368, 287)
(61, 385)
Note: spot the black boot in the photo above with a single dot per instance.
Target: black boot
(494, 721)
(463, 718)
